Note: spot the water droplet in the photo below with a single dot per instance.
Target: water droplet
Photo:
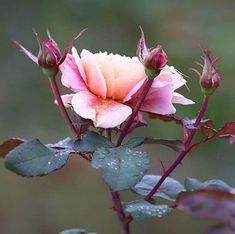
(49, 163)
(146, 162)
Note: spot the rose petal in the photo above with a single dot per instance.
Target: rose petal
(159, 100)
(171, 75)
(94, 78)
(129, 72)
(66, 99)
(83, 104)
(180, 99)
(104, 113)
(106, 68)
(121, 73)
(79, 63)
(111, 114)
(134, 90)
(124, 84)
(140, 118)
(71, 77)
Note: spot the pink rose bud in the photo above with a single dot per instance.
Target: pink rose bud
(154, 59)
(49, 56)
(210, 78)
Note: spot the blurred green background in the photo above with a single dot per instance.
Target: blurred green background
(76, 196)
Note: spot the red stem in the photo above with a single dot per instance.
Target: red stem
(184, 152)
(122, 219)
(61, 106)
(136, 109)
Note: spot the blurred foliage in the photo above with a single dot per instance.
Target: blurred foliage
(76, 196)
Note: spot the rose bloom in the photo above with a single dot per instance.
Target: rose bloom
(106, 86)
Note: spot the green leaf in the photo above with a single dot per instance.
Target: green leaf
(142, 209)
(169, 189)
(215, 184)
(75, 231)
(176, 145)
(122, 167)
(66, 143)
(90, 142)
(32, 158)
(135, 142)
(192, 184)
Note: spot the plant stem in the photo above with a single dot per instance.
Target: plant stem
(184, 152)
(61, 106)
(136, 109)
(123, 224)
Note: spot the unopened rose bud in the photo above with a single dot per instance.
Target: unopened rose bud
(49, 56)
(156, 58)
(210, 78)
(153, 59)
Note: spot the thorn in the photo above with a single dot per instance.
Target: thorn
(163, 167)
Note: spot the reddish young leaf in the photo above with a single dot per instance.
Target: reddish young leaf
(232, 139)
(166, 118)
(9, 145)
(207, 128)
(210, 204)
(220, 229)
(228, 130)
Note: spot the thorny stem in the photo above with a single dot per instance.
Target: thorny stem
(61, 106)
(184, 152)
(124, 225)
(122, 219)
(136, 109)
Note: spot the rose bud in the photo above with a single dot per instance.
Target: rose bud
(210, 77)
(49, 53)
(154, 59)
(49, 56)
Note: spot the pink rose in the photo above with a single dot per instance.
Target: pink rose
(105, 87)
